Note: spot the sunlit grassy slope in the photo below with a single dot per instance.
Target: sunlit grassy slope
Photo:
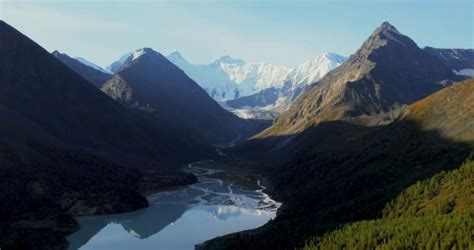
(437, 213)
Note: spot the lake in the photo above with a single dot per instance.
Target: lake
(179, 219)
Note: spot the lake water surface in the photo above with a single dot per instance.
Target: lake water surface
(179, 219)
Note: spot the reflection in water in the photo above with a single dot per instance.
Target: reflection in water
(179, 219)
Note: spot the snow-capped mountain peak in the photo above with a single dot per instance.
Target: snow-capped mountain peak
(137, 53)
(315, 68)
(334, 57)
(115, 66)
(228, 60)
(176, 58)
(140, 52)
(229, 78)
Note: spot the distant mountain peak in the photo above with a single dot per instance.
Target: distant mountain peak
(226, 59)
(145, 52)
(145, 58)
(332, 57)
(56, 52)
(140, 52)
(386, 26)
(115, 66)
(176, 58)
(132, 56)
(385, 35)
(91, 64)
(176, 53)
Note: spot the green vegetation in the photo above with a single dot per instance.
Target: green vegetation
(446, 192)
(452, 231)
(437, 213)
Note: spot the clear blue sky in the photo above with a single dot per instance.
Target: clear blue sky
(279, 32)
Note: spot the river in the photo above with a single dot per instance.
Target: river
(180, 219)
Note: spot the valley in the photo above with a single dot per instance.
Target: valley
(158, 151)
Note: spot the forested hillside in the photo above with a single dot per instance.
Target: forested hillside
(437, 213)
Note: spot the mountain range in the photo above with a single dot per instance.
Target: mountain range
(390, 116)
(386, 73)
(62, 139)
(270, 102)
(460, 60)
(70, 149)
(228, 78)
(361, 148)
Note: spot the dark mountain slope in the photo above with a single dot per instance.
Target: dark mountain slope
(47, 94)
(148, 81)
(68, 149)
(387, 72)
(94, 76)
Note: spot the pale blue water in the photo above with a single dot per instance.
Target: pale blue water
(179, 219)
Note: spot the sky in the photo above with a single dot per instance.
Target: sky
(278, 32)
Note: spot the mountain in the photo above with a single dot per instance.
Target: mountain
(91, 64)
(149, 81)
(344, 181)
(115, 66)
(460, 60)
(228, 78)
(387, 72)
(314, 69)
(91, 72)
(436, 206)
(331, 165)
(67, 149)
(266, 104)
(276, 100)
(449, 111)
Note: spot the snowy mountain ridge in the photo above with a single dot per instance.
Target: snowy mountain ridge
(229, 78)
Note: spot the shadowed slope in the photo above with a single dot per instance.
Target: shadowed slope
(148, 81)
(94, 76)
(66, 148)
